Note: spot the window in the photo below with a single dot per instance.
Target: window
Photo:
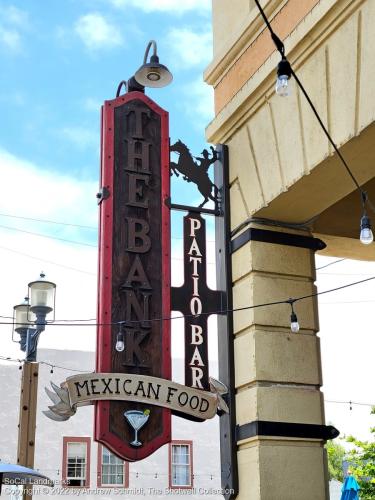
(181, 464)
(76, 461)
(112, 471)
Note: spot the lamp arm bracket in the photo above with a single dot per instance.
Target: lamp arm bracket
(154, 50)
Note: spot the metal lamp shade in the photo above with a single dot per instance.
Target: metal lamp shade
(42, 296)
(23, 318)
(153, 74)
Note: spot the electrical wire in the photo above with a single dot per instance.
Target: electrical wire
(289, 301)
(51, 365)
(177, 259)
(329, 264)
(349, 403)
(49, 221)
(9, 359)
(280, 47)
(47, 261)
(49, 237)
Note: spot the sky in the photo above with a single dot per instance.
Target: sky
(60, 61)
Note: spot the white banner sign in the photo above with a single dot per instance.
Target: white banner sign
(86, 388)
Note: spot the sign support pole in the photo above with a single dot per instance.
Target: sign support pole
(228, 445)
(27, 419)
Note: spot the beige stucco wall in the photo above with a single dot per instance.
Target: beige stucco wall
(281, 164)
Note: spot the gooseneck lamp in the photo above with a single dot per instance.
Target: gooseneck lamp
(153, 74)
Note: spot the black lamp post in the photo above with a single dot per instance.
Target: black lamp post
(30, 316)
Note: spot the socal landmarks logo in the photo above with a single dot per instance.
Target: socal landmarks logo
(132, 389)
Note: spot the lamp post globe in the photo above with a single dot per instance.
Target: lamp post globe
(23, 319)
(42, 296)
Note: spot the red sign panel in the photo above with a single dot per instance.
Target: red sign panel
(134, 268)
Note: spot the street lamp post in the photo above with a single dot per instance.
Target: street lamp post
(29, 321)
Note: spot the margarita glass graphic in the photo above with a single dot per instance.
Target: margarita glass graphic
(136, 420)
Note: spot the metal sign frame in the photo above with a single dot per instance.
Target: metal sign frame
(135, 146)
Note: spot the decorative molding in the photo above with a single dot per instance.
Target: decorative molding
(251, 27)
(317, 27)
(278, 238)
(285, 429)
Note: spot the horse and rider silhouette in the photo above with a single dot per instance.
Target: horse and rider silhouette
(195, 171)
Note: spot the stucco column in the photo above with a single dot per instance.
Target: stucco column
(277, 372)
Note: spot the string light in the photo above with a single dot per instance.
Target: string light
(4, 358)
(208, 313)
(120, 345)
(366, 236)
(284, 73)
(350, 403)
(294, 325)
(21, 361)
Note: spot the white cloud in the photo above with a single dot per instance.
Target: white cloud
(96, 32)
(35, 193)
(10, 39)
(12, 22)
(189, 48)
(44, 195)
(81, 137)
(168, 6)
(199, 103)
(91, 104)
(15, 16)
(15, 97)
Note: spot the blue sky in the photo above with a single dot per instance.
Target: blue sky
(61, 60)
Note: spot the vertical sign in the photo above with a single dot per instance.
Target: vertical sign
(134, 266)
(196, 301)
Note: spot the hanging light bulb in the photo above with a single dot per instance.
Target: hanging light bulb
(284, 72)
(120, 344)
(294, 325)
(366, 236)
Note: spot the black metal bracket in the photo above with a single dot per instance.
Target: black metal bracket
(194, 169)
(285, 429)
(228, 448)
(103, 194)
(278, 238)
(187, 208)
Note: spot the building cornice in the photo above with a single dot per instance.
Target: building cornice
(316, 27)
